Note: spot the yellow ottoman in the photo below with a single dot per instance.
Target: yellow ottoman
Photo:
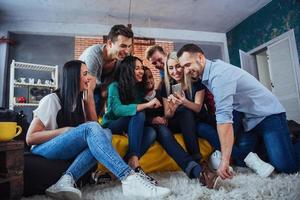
(156, 158)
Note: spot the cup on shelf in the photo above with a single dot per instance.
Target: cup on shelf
(31, 80)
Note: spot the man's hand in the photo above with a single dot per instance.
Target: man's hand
(224, 171)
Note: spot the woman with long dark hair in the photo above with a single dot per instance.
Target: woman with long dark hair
(59, 130)
(125, 110)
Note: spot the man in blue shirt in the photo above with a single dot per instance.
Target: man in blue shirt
(263, 116)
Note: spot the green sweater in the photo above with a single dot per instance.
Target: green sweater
(115, 108)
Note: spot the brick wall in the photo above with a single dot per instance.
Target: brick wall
(81, 43)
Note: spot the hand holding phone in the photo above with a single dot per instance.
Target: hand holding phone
(177, 88)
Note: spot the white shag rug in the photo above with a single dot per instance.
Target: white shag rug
(244, 185)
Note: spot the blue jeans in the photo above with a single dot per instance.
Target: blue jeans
(276, 138)
(87, 144)
(98, 99)
(140, 138)
(184, 160)
(184, 121)
(208, 132)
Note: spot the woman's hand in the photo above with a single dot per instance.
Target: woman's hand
(159, 121)
(181, 99)
(154, 103)
(92, 84)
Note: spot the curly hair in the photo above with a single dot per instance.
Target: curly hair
(125, 75)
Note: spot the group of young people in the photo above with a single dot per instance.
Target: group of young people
(196, 97)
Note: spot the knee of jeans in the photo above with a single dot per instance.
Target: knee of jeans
(96, 128)
(150, 134)
(141, 115)
(164, 133)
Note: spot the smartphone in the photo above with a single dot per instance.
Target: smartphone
(176, 88)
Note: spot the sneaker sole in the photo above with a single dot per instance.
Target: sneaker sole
(63, 195)
(157, 196)
(267, 172)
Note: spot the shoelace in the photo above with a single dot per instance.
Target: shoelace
(146, 176)
(145, 182)
(69, 179)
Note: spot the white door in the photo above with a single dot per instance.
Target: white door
(248, 63)
(283, 77)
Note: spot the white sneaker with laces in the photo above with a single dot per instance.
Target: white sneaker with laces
(215, 160)
(64, 189)
(262, 168)
(136, 185)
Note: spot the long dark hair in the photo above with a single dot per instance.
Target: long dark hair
(125, 75)
(70, 95)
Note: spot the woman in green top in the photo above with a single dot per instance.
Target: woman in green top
(125, 110)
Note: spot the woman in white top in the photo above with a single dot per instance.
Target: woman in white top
(59, 130)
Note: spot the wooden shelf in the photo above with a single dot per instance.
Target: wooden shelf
(36, 67)
(26, 104)
(34, 85)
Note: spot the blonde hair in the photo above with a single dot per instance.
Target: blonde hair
(186, 82)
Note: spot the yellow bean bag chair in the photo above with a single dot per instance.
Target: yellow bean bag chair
(156, 158)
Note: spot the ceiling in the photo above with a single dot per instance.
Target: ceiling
(197, 15)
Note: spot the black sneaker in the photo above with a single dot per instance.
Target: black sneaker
(141, 172)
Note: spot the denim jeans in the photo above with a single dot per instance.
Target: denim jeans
(276, 138)
(208, 133)
(174, 149)
(273, 134)
(140, 138)
(87, 144)
(98, 99)
(184, 121)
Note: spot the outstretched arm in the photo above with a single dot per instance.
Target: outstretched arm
(225, 132)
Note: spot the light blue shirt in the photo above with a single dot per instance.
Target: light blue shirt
(235, 89)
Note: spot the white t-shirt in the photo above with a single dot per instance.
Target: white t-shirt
(47, 111)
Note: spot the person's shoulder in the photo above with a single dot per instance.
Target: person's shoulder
(50, 100)
(95, 49)
(113, 85)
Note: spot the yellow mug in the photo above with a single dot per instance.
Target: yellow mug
(9, 130)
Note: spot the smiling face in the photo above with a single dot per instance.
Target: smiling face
(120, 48)
(84, 78)
(175, 71)
(149, 80)
(139, 71)
(158, 60)
(193, 64)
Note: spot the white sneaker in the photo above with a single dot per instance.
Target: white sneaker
(262, 168)
(64, 189)
(215, 160)
(136, 185)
